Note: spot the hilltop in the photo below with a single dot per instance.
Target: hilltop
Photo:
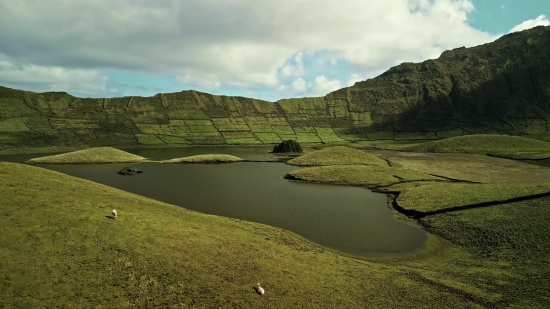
(500, 87)
(337, 155)
(91, 155)
(492, 144)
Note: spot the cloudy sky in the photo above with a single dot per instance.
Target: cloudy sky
(266, 49)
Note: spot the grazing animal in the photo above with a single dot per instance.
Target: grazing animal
(259, 289)
(115, 214)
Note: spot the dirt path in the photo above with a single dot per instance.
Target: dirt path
(471, 167)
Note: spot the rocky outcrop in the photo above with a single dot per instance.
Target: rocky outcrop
(500, 87)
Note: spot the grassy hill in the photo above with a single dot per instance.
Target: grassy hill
(337, 155)
(206, 158)
(359, 175)
(501, 145)
(91, 155)
(59, 248)
(499, 87)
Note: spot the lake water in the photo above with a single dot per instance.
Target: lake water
(349, 219)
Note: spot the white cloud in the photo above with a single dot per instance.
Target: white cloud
(52, 78)
(299, 85)
(353, 78)
(246, 43)
(296, 69)
(200, 80)
(322, 85)
(528, 24)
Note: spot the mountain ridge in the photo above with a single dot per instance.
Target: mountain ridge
(499, 87)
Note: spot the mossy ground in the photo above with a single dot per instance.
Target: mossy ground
(206, 158)
(60, 248)
(337, 155)
(91, 155)
(506, 242)
(500, 145)
(440, 196)
(360, 175)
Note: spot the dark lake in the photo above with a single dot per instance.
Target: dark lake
(348, 219)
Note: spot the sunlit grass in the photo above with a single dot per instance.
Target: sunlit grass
(61, 249)
(438, 196)
(206, 158)
(504, 145)
(359, 175)
(90, 155)
(337, 155)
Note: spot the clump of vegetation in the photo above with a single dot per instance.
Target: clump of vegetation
(287, 146)
(338, 155)
(504, 145)
(206, 158)
(438, 196)
(129, 171)
(91, 155)
(359, 175)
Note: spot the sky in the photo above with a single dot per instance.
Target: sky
(269, 49)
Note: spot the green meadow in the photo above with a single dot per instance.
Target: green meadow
(515, 147)
(62, 249)
(337, 155)
(207, 158)
(90, 155)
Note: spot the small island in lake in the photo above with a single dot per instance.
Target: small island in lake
(129, 171)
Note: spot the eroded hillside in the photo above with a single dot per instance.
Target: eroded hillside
(500, 87)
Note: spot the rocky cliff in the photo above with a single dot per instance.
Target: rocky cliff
(500, 87)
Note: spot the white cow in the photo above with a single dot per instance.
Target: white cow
(115, 214)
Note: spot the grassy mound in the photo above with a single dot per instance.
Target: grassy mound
(91, 155)
(360, 175)
(338, 155)
(504, 145)
(438, 196)
(206, 158)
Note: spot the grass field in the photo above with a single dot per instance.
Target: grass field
(359, 175)
(502, 145)
(439, 196)
(338, 155)
(513, 236)
(206, 158)
(60, 248)
(91, 155)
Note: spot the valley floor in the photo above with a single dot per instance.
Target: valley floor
(59, 248)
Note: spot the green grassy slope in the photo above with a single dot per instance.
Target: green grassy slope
(337, 155)
(513, 236)
(439, 196)
(59, 248)
(501, 145)
(359, 175)
(90, 155)
(500, 87)
(206, 158)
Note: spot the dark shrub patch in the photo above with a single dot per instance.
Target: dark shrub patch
(287, 146)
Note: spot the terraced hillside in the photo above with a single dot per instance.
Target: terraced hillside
(500, 87)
